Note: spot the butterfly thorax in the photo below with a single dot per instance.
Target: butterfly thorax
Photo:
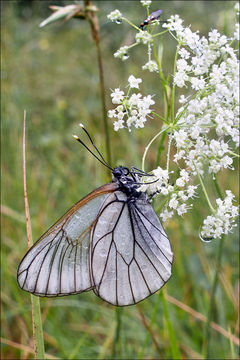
(127, 181)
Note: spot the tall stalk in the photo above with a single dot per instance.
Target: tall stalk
(93, 20)
(207, 335)
(39, 351)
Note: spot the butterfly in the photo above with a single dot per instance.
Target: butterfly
(111, 242)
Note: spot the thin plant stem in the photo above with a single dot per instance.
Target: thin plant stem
(130, 23)
(164, 83)
(172, 335)
(173, 88)
(116, 342)
(152, 322)
(39, 351)
(160, 117)
(168, 153)
(204, 189)
(207, 338)
(150, 143)
(160, 148)
(206, 344)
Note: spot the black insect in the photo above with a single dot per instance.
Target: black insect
(111, 242)
(153, 16)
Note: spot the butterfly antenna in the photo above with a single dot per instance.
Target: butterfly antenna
(81, 142)
(95, 147)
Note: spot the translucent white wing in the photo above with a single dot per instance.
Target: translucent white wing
(58, 263)
(131, 257)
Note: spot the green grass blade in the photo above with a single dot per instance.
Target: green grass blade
(172, 336)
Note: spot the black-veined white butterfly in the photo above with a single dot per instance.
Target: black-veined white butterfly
(111, 242)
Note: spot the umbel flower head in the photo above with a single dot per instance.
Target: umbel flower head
(203, 134)
(132, 110)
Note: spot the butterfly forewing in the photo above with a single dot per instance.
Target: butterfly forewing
(58, 263)
(131, 257)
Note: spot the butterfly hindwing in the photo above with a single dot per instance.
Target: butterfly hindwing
(131, 257)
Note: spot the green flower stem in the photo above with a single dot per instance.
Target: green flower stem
(130, 23)
(176, 355)
(116, 342)
(218, 188)
(173, 87)
(164, 82)
(160, 149)
(204, 190)
(233, 153)
(168, 153)
(164, 129)
(161, 33)
(160, 117)
(206, 343)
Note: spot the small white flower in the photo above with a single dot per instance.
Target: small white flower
(180, 78)
(146, 2)
(184, 53)
(147, 101)
(118, 125)
(134, 82)
(191, 191)
(120, 115)
(214, 35)
(182, 209)
(236, 32)
(143, 37)
(166, 215)
(198, 84)
(180, 182)
(151, 65)
(180, 138)
(135, 99)
(122, 53)
(161, 174)
(185, 175)
(173, 203)
(182, 195)
(115, 16)
(182, 99)
(174, 23)
(117, 96)
(112, 113)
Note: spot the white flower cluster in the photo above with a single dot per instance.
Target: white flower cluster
(144, 37)
(146, 2)
(122, 53)
(210, 67)
(222, 222)
(176, 195)
(135, 108)
(151, 66)
(115, 16)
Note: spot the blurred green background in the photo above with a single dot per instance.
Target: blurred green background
(52, 73)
